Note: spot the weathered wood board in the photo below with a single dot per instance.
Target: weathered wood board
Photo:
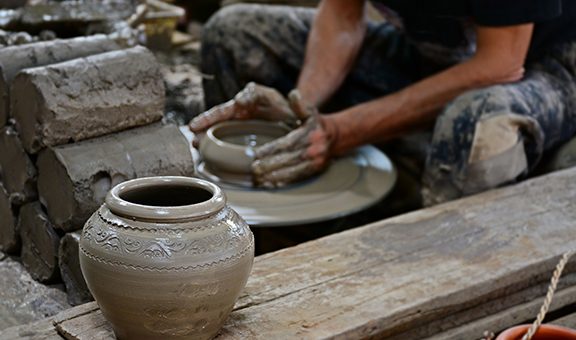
(524, 313)
(44, 329)
(451, 271)
(567, 321)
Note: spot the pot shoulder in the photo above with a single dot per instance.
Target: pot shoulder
(218, 240)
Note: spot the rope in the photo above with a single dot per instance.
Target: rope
(488, 335)
(548, 300)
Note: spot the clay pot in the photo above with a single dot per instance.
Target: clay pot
(166, 258)
(545, 332)
(227, 147)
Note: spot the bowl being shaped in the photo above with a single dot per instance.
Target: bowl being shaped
(228, 146)
(166, 258)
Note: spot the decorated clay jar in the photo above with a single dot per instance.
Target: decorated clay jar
(166, 258)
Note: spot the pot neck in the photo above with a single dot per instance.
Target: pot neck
(166, 199)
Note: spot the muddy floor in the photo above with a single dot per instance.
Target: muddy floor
(24, 300)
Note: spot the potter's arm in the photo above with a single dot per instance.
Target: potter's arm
(333, 44)
(500, 57)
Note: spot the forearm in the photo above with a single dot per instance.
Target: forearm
(395, 115)
(333, 45)
(500, 57)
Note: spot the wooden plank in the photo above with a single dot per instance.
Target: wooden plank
(44, 329)
(385, 278)
(566, 321)
(94, 326)
(84, 322)
(524, 313)
(90, 326)
(75, 312)
(474, 258)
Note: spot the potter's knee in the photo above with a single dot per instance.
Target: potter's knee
(476, 103)
(491, 153)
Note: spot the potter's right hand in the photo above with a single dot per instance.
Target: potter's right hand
(253, 102)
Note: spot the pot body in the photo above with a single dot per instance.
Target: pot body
(545, 332)
(167, 278)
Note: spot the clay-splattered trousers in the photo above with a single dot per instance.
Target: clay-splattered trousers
(483, 139)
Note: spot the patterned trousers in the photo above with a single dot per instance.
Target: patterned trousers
(483, 139)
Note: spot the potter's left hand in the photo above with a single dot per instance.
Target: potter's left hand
(302, 153)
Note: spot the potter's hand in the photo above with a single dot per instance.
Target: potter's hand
(253, 102)
(298, 155)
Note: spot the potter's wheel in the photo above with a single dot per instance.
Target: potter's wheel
(350, 184)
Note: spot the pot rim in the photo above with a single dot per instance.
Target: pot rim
(210, 133)
(131, 210)
(517, 332)
(212, 137)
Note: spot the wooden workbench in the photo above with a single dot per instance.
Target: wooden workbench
(448, 272)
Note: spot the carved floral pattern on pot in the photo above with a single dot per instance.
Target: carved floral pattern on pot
(164, 269)
(110, 239)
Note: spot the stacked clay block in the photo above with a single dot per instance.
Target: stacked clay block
(77, 117)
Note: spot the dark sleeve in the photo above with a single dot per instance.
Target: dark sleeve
(514, 12)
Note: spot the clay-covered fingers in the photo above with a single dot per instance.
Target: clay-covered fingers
(215, 115)
(269, 164)
(301, 108)
(297, 139)
(284, 176)
(290, 158)
(196, 139)
(266, 103)
(253, 102)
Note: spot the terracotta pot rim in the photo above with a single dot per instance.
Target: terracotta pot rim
(199, 210)
(518, 332)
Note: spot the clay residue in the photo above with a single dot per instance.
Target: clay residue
(39, 243)
(23, 300)
(17, 170)
(9, 237)
(73, 178)
(87, 97)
